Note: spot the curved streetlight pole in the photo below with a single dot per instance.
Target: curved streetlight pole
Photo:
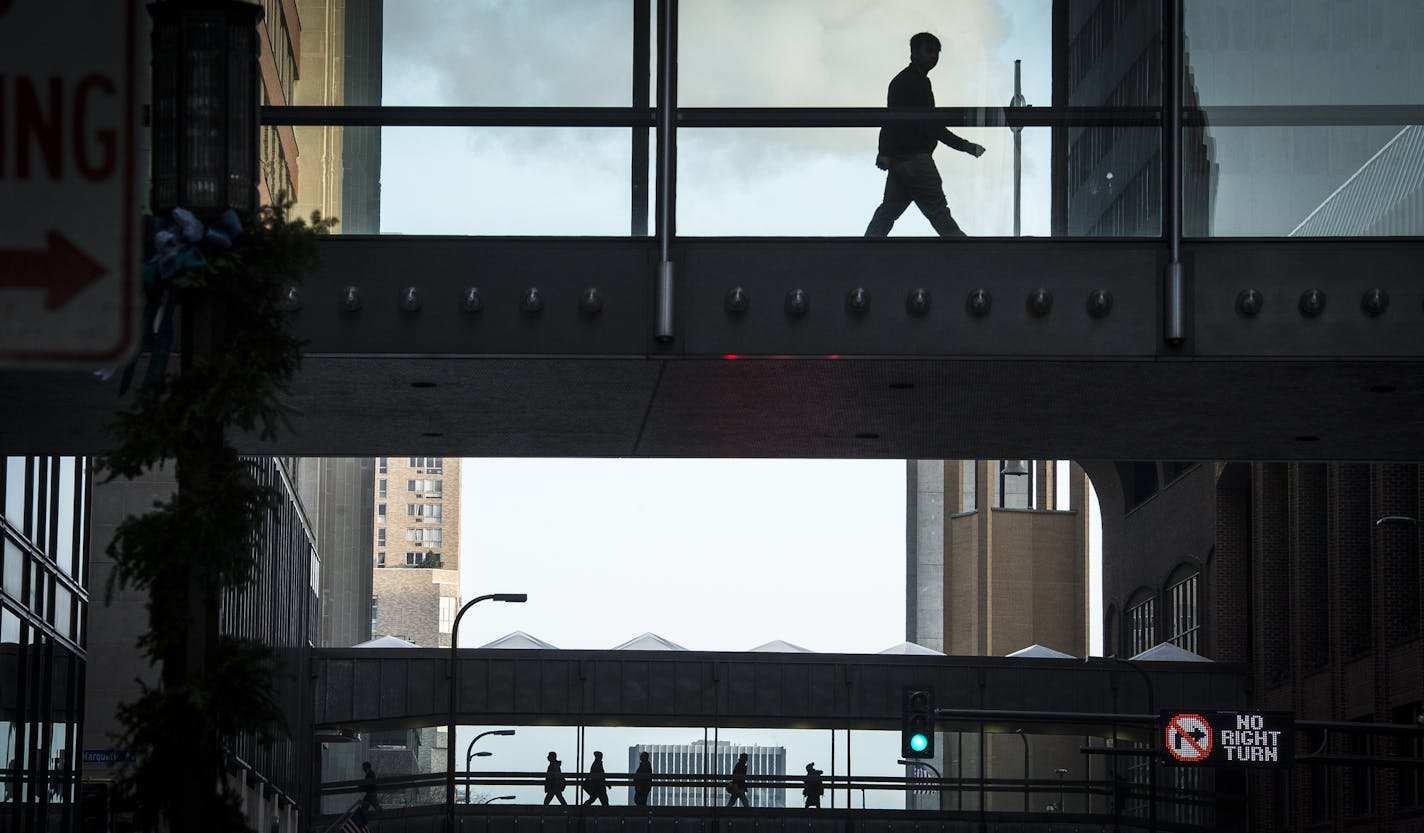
(470, 754)
(1151, 758)
(450, 673)
(498, 798)
(1024, 738)
(939, 788)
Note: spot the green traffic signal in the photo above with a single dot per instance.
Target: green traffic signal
(917, 722)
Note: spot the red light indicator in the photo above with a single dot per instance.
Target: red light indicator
(730, 356)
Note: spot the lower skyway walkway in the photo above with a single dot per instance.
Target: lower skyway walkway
(496, 819)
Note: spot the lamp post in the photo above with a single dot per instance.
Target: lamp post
(498, 798)
(204, 158)
(470, 753)
(450, 673)
(205, 99)
(1018, 101)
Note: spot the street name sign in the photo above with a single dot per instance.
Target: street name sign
(1228, 738)
(69, 246)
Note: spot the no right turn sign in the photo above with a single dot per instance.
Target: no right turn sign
(1188, 738)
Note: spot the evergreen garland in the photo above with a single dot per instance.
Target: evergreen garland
(204, 541)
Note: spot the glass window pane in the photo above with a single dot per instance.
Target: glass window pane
(1314, 181)
(505, 181)
(63, 610)
(14, 578)
(65, 527)
(823, 182)
(15, 470)
(547, 53)
(1301, 52)
(807, 53)
(1112, 182)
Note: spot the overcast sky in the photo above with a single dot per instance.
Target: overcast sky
(715, 555)
(731, 53)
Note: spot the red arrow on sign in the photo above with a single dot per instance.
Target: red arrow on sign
(62, 271)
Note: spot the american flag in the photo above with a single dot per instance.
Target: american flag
(354, 823)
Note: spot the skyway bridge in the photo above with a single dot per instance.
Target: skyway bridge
(832, 348)
(376, 690)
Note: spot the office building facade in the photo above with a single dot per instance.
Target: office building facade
(702, 770)
(416, 585)
(44, 601)
(994, 563)
(1282, 566)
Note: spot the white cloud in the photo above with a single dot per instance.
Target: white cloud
(748, 53)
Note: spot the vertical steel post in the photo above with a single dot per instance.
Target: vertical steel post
(667, 164)
(642, 77)
(1174, 290)
(1018, 101)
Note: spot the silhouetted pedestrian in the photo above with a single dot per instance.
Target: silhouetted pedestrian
(596, 784)
(905, 149)
(738, 787)
(643, 780)
(554, 781)
(369, 800)
(813, 787)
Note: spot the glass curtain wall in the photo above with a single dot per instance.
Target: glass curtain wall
(42, 612)
(537, 118)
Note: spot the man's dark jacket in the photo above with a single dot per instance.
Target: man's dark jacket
(911, 89)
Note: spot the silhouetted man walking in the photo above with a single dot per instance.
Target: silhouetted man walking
(596, 784)
(554, 781)
(738, 788)
(643, 780)
(910, 172)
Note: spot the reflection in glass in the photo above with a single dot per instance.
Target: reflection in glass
(1313, 181)
(1112, 182)
(1306, 52)
(505, 181)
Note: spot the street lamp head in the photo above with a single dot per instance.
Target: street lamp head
(505, 732)
(483, 754)
(511, 597)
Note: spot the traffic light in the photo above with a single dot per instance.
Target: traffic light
(917, 723)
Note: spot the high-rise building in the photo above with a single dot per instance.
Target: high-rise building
(361, 146)
(997, 563)
(338, 495)
(44, 601)
(323, 53)
(1282, 566)
(709, 762)
(417, 544)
